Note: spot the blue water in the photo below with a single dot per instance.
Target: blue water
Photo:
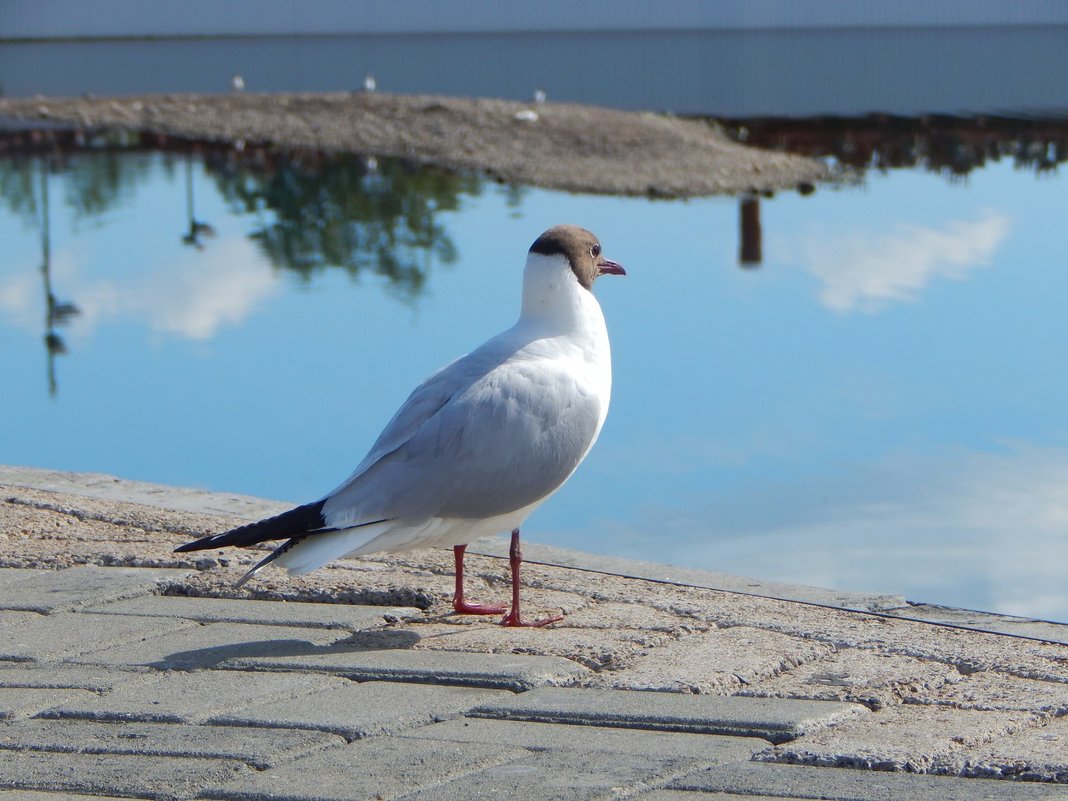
(881, 405)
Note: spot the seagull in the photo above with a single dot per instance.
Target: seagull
(479, 444)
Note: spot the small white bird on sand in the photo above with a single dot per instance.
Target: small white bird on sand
(478, 445)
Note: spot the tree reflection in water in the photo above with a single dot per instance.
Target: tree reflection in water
(348, 211)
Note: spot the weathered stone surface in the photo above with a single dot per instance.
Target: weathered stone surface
(776, 720)
(593, 648)
(69, 635)
(1033, 754)
(189, 646)
(541, 736)
(37, 795)
(274, 613)
(986, 621)
(835, 784)
(10, 575)
(499, 671)
(260, 748)
(998, 691)
(560, 775)
(861, 675)
(192, 697)
(905, 738)
(79, 587)
(113, 774)
(360, 710)
(365, 770)
(59, 676)
(24, 702)
(721, 661)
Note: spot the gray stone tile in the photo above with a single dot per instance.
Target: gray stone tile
(59, 676)
(350, 617)
(179, 697)
(8, 618)
(10, 575)
(114, 774)
(367, 770)
(684, 795)
(860, 675)
(37, 795)
(844, 784)
(362, 710)
(560, 775)
(502, 671)
(260, 748)
(21, 702)
(907, 737)
(192, 646)
(542, 736)
(721, 661)
(988, 621)
(68, 635)
(775, 720)
(77, 587)
(1039, 753)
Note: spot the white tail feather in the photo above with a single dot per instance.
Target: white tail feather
(318, 549)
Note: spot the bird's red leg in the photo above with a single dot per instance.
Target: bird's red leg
(513, 618)
(461, 606)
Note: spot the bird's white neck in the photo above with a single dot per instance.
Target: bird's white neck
(554, 299)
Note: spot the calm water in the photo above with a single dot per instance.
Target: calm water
(880, 405)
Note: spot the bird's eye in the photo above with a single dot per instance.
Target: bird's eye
(595, 251)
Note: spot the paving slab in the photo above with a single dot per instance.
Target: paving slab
(69, 635)
(860, 675)
(905, 738)
(114, 774)
(775, 720)
(8, 619)
(259, 748)
(59, 676)
(593, 648)
(10, 575)
(78, 587)
(498, 671)
(368, 770)
(350, 617)
(988, 621)
(560, 775)
(178, 697)
(719, 661)
(1034, 754)
(18, 702)
(749, 779)
(192, 646)
(355, 711)
(542, 736)
(998, 691)
(683, 795)
(35, 795)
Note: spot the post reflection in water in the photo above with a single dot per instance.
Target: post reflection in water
(57, 312)
(196, 228)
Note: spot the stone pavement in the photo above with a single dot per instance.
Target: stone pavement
(129, 671)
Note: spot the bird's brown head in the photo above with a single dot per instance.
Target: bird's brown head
(582, 250)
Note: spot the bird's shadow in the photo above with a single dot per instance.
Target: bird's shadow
(237, 653)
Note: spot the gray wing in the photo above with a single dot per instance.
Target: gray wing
(504, 438)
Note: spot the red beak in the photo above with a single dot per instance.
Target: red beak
(608, 267)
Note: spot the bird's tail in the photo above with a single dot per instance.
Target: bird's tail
(292, 524)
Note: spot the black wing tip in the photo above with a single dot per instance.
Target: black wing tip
(295, 522)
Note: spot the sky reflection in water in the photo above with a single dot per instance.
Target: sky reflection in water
(880, 406)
